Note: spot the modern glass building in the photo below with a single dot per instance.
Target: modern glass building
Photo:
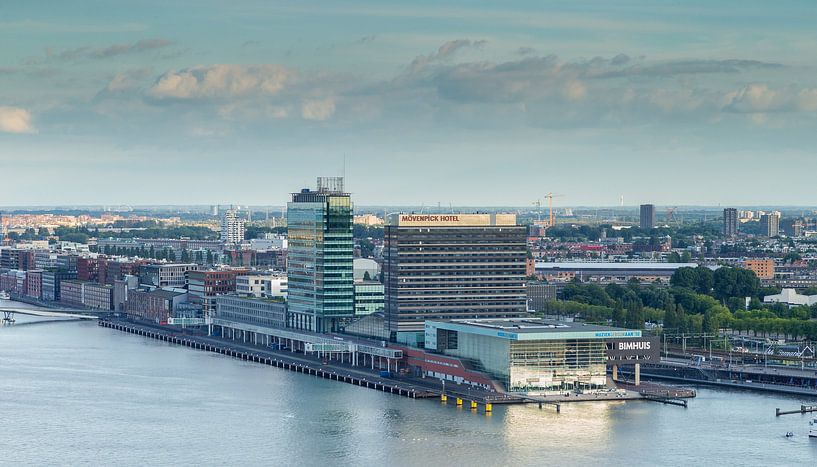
(529, 355)
(368, 297)
(320, 269)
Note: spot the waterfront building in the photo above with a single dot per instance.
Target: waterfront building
(67, 262)
(205, 286)
(34, 284)
(369, 297)
(770, 224)
(264, 313)
(763, 268)
(446, 266)
(320, 257)
(71, 293)
(166, 275)
(647, 216)
(153, 305)
(232, 227)
(97, 296)
(730, 222)
(51, 283)
(529, 355)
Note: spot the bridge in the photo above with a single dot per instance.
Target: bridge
(9, 312)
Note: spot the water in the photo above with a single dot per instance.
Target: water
(72, 393)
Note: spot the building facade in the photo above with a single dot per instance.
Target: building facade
(369, 297)
(447, 266)
(730, 222)
(763, 268)
(530, 355)
(770, 224)
(205, 286)
(166, 275)
(232, 227)
(320, 273)
(647, 216)
(539, 294)
(252, 311)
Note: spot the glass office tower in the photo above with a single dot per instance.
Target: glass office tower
(320, 256)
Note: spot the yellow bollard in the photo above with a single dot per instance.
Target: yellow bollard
(473, 405)
(459, 402)
(443, 398)
(489, 407)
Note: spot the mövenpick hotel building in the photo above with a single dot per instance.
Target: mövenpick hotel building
(451, 266)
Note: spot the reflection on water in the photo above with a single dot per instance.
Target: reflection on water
(73, 393)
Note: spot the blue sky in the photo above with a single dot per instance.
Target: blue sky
(468, 103)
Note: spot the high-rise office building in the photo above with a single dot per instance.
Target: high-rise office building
(647, 217)
(232, 227)
(770, 224)
(320, 271)
(448, 266)
(730, 222)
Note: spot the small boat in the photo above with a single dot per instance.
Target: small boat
(4, 295)
(812, 433)
(789, 434)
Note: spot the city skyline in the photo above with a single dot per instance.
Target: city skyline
(459, 105)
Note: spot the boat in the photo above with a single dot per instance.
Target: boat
(4, 295)
(812, 433)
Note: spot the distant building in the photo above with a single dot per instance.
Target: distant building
(232, 227)
(730, 222)
(793, 227)
(447, 266)
(608, 272)
(369, 297)
(34, 284)
(791, 298)
(364, 267)
(770, 224)
(763, 268)
(647, 216)
(320, 258)
(368, 219)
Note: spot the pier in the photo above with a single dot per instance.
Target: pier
(803, 409)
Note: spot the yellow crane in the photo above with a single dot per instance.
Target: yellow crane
(550, 196)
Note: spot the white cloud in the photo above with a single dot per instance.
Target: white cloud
(221, 82)
(15, 120)
(318, 109)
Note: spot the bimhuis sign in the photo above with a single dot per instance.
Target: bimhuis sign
(634, 350)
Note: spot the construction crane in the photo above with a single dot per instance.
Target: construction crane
(670, 214)
(550, 197)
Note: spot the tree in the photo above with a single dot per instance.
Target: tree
(185, 256)
(209, 257)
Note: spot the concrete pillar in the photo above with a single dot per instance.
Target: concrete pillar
(615, 372)
(637, 374)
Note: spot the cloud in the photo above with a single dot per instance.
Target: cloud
(318, 109)
(221, 82)
(114, 50)
(760, 98)
(445, 52)
(15, 120)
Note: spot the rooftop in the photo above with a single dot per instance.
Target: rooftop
(533, 329)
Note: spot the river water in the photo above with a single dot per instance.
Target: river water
(73, 393)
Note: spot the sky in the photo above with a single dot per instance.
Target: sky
(453, 102)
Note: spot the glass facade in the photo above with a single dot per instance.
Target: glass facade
(320, 260)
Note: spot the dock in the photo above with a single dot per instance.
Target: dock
(803, 409)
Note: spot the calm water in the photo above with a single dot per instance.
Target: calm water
(73, 393)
